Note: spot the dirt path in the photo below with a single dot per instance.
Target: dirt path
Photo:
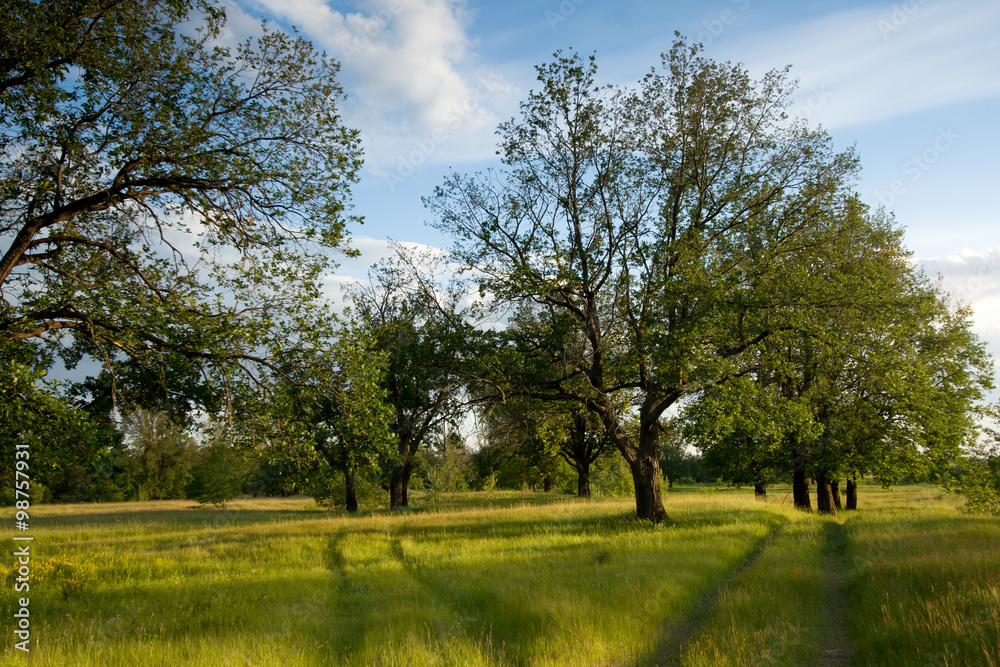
(677, 638)
(836, 650)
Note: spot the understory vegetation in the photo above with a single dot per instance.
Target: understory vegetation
(516, 578)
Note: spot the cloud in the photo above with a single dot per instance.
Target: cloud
(864, 65)
(970, 276)
(408, 68)
(973, 278)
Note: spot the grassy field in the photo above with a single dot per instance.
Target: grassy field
(514, 579)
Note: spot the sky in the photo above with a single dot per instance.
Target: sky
(914, 86)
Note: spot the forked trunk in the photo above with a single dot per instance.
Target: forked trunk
(350, 495)
(824, 494)
(835, 488)
(643, 462)
(852, 494)
(760, 490)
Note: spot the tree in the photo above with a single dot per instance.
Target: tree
(162, 455)
(336, 405)
(166, 202)
(745, 430)
(448, 464)
(523, 441)
(671, 226)
(417, 324)
(886, 385)
(220, 470)
(72, 456)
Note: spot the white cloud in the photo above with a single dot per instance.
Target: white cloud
(408, 68)
(864, 65)
(973, 278)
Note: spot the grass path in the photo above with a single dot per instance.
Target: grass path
(837, 650)
(514, 579)
(677, 638)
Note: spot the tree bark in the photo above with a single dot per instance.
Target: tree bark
(760, 490)
(399, 475)
(547, 482)
(407, 473)
(646, 478)
(351, 495)
(835, 489)
(824, 494)
(397, 488)
(800, 485)
(852, 494)
(583, 480)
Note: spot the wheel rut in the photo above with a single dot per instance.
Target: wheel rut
(836, 650)
(678, 637)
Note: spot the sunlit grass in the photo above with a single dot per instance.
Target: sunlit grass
(767, 614)
(509, 579)
(928, 584)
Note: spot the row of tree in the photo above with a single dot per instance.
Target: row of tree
(668, 265)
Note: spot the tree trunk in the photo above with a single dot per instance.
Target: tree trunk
(407, 472)
(800, 485)
(835, 489)
(646, 478)
(643, 461)
(760, 490)
(852, 494)
(547, 482)
(582, 480)
(397, 488)
(824, 494)
(351, 496)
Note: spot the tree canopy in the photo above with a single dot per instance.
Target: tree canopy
(674, 227)
(167, 202)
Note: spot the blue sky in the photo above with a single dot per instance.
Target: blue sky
(915, 85)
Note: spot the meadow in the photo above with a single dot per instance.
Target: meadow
(512, 578)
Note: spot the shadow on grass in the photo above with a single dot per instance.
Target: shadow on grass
(510, 585)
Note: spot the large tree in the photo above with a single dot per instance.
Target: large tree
(165, 202)
(672, 226)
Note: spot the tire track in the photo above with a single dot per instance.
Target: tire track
(678, 637)
(836, 650)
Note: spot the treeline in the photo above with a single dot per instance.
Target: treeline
(653, 270)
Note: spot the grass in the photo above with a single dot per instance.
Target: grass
(514, 579)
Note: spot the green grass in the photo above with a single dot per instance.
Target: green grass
(513, 579)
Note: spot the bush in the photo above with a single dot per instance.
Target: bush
(610, 476)
(978, 479)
